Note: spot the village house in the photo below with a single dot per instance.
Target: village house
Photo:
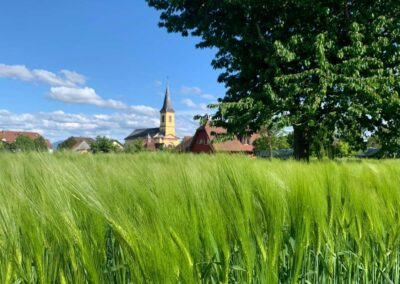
(204, 141)
(158, 137)
(11, 136)
(77, 144)
(117, 145)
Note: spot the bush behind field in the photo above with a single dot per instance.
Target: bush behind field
(163, 218)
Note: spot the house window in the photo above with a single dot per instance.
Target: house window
(170, 118)
(162, 119)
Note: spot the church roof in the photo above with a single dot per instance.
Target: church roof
(143, 133)
(167, 106)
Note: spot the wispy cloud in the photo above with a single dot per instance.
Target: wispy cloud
(189, 103)
(15, 72)
(191, 90)
(21, 72)
(67, 86)
(208, 97)
(158, 83)
(83, 95)
(185, 90)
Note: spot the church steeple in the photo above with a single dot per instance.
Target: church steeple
(167, 116)
(167, 106)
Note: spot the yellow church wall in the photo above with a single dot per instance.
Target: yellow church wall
(167, 123)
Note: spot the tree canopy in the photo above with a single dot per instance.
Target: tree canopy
(326, 68)
(25, 144)
(67, 144)
(103, 145)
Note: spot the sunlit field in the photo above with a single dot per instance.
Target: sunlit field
(165, 218)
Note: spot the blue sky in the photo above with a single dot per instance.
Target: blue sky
(96, 68)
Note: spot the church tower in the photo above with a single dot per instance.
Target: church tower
(167, 116)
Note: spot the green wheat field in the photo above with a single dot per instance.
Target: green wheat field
(168, 218)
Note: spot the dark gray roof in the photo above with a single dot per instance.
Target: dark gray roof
(167, 106)
(143, 133)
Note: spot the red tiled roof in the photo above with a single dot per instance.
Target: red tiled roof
(11, 136)
(233, 145)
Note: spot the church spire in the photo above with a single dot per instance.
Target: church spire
(167, 106)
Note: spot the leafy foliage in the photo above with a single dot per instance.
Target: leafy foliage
(67, 144)
(40, 144)
(25, 144)
(272, 140)
(326, 68)
(102, 145)
(135, 146)
(3, 146)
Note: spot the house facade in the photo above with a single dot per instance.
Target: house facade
(158, 137)
(77, 144)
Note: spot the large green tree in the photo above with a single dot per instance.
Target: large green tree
(102, 145)
(328, 68)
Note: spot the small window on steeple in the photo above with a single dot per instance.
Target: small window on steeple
(170, 118)
(162, 119)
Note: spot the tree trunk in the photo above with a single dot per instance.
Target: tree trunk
(301, 143)
(270, 144)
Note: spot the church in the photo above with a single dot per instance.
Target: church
(159, 137)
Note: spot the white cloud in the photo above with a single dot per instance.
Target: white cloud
(59, 125)
(88, 95)
(16, 72)
(185, 90)
(68, 87)
(203, 106)
(188, 103)
(84, 95)
(208, 97)
(21, 72)
(144, 110)
(191, 90)
(74, 77)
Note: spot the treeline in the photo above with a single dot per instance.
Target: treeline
(24, 144)
(273, 141)
(103, 144)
